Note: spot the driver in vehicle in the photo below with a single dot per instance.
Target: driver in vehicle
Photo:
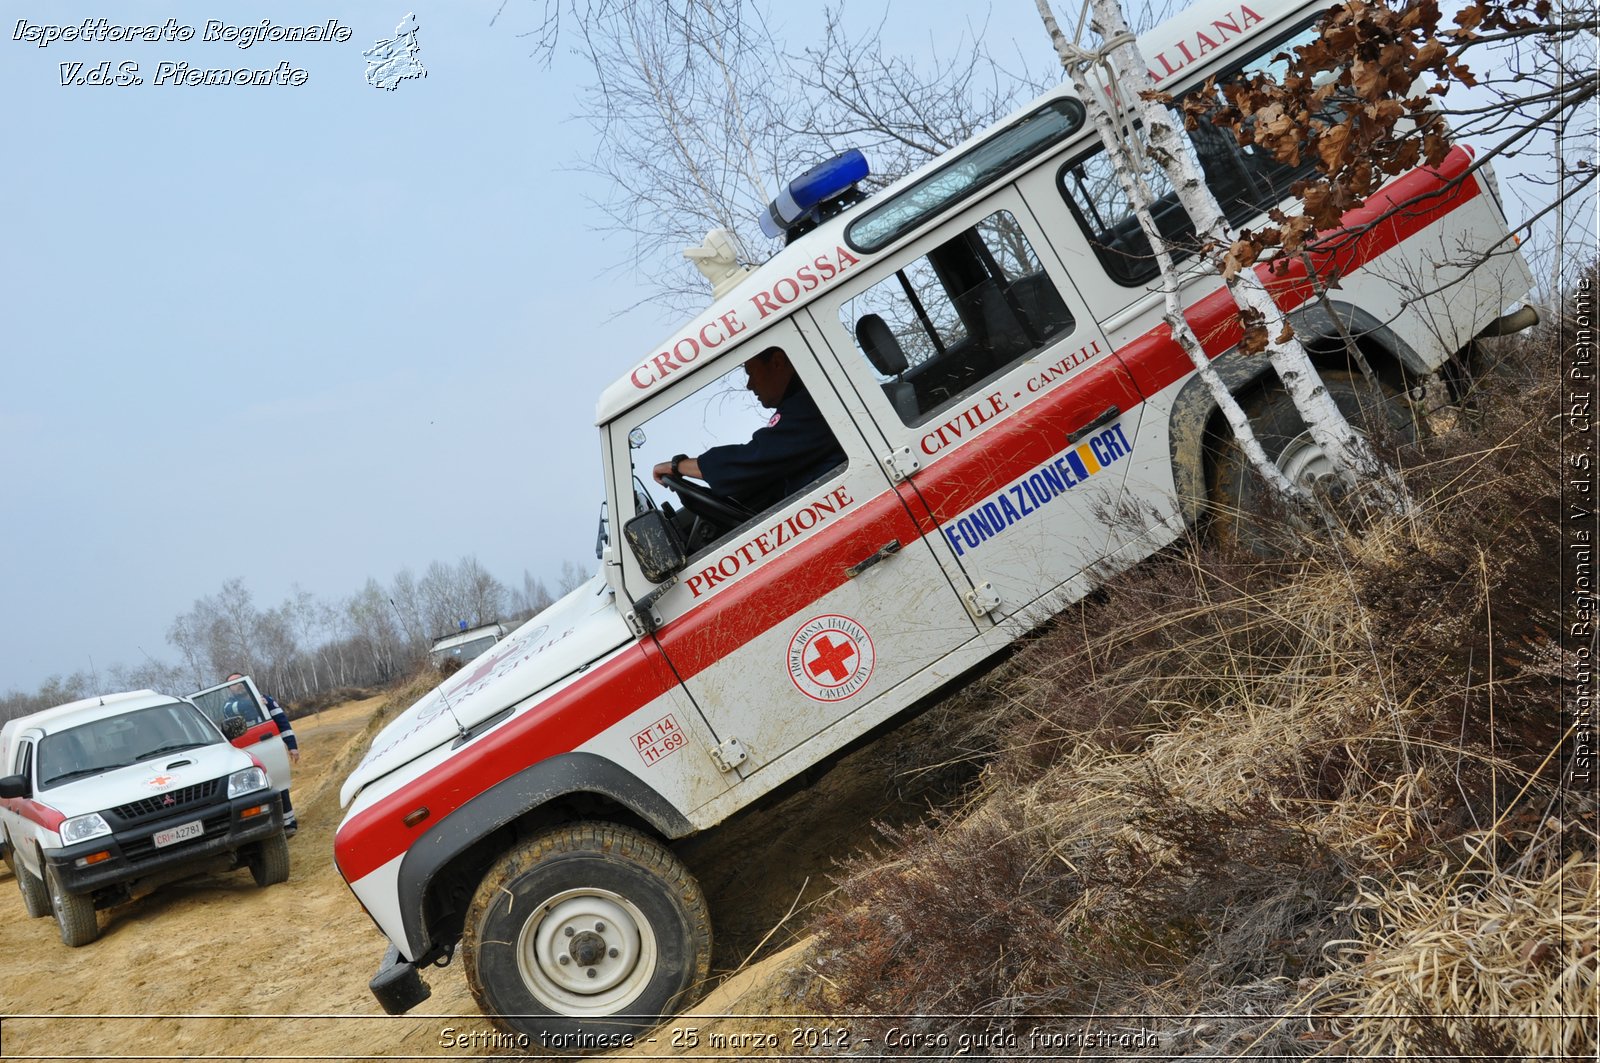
(794, 448)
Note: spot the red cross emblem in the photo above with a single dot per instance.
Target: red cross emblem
(830, 658)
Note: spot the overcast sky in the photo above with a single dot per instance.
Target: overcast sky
(301, 335)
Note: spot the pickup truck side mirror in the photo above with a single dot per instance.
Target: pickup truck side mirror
(14, 786)
(233, 727)
(656, 544)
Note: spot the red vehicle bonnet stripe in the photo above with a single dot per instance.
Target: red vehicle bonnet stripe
(36, 811)
(812, 568)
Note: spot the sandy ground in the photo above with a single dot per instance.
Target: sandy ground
(216, 967)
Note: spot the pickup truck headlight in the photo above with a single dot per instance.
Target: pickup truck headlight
(246, 780)
(82, 828)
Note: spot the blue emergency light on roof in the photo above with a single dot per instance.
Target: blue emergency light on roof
(804, 197)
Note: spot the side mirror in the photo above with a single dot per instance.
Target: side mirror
(14, 786)
(233, 727)
(656, 544)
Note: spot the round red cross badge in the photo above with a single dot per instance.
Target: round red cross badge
(830, 658)
(162, 781)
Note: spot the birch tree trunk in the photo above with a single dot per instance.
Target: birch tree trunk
(1139, 195)
(1347, 451)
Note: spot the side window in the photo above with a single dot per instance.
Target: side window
(943, 325)
(756, 439)
(24, 762)
(1246, 180)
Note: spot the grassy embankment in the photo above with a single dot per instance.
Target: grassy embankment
(1308, 806)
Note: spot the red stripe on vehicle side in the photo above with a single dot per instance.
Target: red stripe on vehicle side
(261, 731)
(1028, 438)
(36, 811)
(791, 581)
(1156, 360)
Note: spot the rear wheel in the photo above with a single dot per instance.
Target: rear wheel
(585, 935)
(74, 913)
(1245, 510)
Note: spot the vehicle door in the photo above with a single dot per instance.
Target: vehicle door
(14, 810)
(809, 622)
(994, 393)
(240, 699)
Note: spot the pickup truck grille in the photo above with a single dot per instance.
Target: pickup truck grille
(167, 803)
(135, 848)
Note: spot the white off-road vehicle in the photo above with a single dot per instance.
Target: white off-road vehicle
(985, 343)
(109, 797)
(450, 652)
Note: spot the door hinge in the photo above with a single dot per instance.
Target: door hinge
(901, 463)
(643, 618)
(982, 599)
(729, 755)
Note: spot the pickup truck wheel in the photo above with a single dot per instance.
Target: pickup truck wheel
(586, 934)
(74, 914)
(34, 897)
(270, 864)
(1244, 511)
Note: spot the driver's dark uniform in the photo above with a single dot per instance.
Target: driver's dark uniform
(794, 448)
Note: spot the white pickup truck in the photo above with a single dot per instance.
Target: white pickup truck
(108, 797)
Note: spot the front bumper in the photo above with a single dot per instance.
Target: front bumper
(133, 854)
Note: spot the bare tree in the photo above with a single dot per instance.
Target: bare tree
(702, 113)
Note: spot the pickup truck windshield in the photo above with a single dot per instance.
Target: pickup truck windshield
(120, 740)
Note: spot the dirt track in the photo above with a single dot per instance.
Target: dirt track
(215, 967)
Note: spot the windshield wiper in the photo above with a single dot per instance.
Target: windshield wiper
(76, 772)
(175, 747)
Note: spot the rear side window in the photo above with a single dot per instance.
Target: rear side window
(945, 324)
(1246, 180)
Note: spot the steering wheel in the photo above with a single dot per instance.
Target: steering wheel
(724, 512)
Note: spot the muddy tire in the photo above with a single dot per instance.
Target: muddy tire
(270, 864)
(74, 914)
(35, 898)
(1244, 511)
(584, 936)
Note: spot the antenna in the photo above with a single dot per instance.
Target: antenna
(95, 678)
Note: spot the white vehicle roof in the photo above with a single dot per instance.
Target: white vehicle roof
(1189, 45)
(61, 717)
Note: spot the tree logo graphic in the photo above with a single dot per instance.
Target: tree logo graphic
(393, 61)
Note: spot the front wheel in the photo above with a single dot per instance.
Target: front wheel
(35, 898)
(74, 913)
(270, 864)
(1244, 509)
(583, 937)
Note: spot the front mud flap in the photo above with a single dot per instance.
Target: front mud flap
(397, 985)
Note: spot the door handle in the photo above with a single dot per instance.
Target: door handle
(886, 550)
(1111, 413)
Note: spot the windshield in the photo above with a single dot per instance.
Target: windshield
(118, 741)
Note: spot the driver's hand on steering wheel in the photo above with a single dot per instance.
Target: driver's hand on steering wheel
(686, 467)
